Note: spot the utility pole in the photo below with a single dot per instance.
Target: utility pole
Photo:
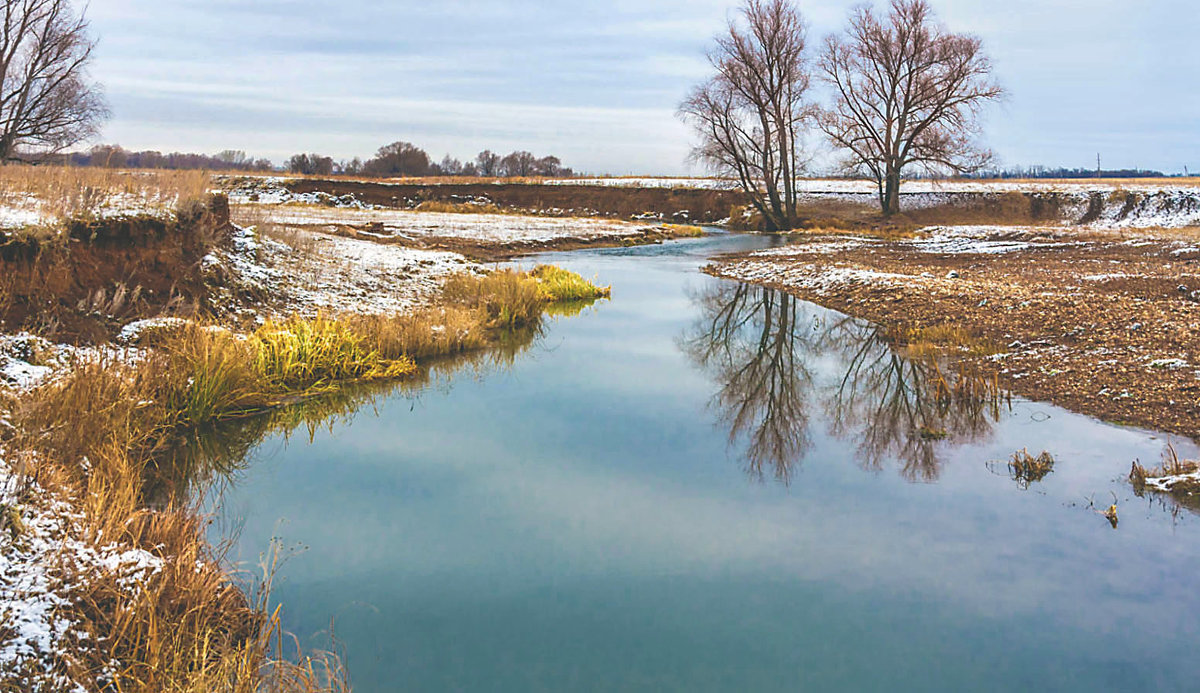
(1097, 165)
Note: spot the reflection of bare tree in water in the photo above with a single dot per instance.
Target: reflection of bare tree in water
(898, 407)
(758, 344)
(747, 339)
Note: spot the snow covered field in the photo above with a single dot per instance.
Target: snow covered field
(324, 273)
(489, 228)
(866, 187)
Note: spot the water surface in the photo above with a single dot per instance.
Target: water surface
(701, 485)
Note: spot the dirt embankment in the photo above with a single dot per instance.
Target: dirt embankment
(671, 204)
(1098, 325)
(80, 283)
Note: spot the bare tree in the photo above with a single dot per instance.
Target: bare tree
(518, 164)
(749, 116)
(47, 101)
(907, 93)
(487, 163)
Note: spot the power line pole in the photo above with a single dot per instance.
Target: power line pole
(1097, 165)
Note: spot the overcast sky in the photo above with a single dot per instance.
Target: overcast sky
(597, 82)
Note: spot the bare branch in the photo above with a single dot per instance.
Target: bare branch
(908, 93)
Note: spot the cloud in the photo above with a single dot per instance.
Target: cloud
(596, 83)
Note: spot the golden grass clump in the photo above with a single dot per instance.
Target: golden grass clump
(684, 230)
(558, 284)
(458, 207)
(308, 353)
(428, 333)
(509, 298)
(946, 338)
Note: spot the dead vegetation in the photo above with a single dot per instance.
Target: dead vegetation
(1025, 469)
(1173, 477)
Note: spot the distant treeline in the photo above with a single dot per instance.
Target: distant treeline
(395, 160)
(1044, 172)
(113, 156)
(406, 159)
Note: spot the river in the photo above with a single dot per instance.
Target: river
(701, 485)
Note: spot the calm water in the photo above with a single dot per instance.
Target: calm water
(706, 486)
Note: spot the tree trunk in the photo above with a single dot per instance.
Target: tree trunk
(891, 193)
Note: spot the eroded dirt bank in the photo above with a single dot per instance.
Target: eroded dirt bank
(1099, 323)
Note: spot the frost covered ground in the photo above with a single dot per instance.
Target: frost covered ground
(20, 210)
(46, 557)
(313, 272)
(916, 187)
(488, 228)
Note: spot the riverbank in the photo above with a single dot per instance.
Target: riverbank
(105, 575)
(1099, 322)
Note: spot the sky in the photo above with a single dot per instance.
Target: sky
(597, 82)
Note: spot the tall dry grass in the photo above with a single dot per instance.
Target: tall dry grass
(66, 192)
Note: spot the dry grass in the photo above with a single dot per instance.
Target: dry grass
(1026, 469)
(1178, 478)
(942, 340)
(684, 230)
(509, 298)
(559, 285)
(66, 192)
(458, 207)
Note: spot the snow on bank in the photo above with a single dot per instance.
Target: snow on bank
(1173, 482)
(44, 558)
(23, 210)
(819, 278)
(27, 361)
(867, 187)
(488, 228)
(324, 273)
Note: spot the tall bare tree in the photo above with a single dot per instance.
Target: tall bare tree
(47, 101)
(907, 93)
(749, 115)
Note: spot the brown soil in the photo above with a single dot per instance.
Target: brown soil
(703, 206)
(1067, 336)
(79, 284)
(486, 251)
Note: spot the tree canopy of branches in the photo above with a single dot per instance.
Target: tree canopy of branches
(310, 164)
(398, 159)
(47, 101)
(907, 93)
(749, 116)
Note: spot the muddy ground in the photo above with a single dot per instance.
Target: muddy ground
(678, 204)
(1096, 322)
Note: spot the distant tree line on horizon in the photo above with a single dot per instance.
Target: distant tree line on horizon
(399, 159)
(404, 159)
(114, 156)
(1046, 172)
